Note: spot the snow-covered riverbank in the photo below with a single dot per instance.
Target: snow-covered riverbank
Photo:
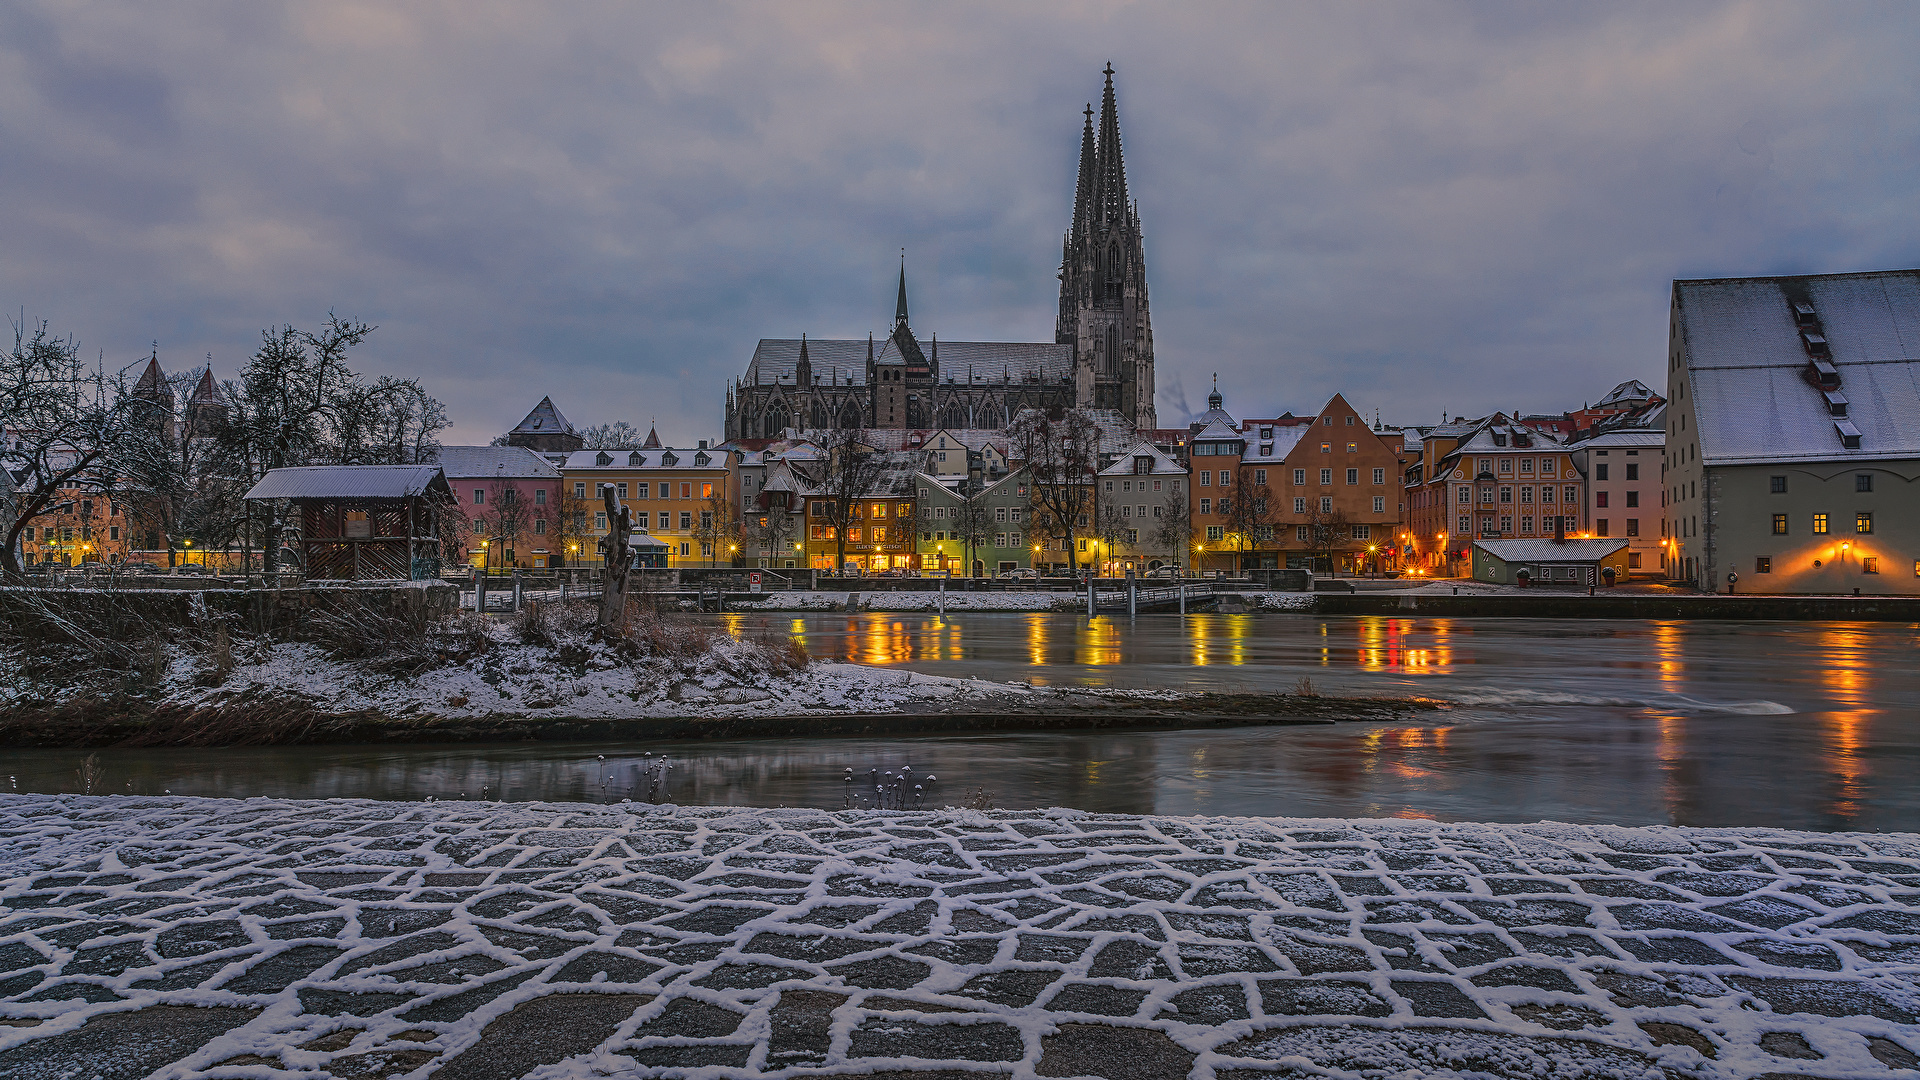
(253, 938)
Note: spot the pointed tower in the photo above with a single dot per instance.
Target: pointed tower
(206, 410)
(546, 431)
(1103, 279)
(803, 368)
(653, 439)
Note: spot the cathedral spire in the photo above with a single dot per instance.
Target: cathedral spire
(1083, 194)
(1111, 183)
(900, 309)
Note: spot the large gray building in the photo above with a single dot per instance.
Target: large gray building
(1101, 356)
(1793, 433)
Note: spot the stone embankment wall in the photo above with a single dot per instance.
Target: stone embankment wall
(260, 610)
(1632, 606)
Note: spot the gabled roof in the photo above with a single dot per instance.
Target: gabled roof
(545, 419)
(349, 482)
(1219, 430)
(667, 457)
(491, 462)
(1631, 390)
(1745, 363)
(1163, 464)
(208, 391)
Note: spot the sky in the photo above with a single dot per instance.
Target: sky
(1431, 208)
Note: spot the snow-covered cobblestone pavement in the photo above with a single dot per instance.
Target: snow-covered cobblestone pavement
(200, 937)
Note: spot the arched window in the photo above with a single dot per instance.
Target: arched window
(1113, 262)
(1113, 347)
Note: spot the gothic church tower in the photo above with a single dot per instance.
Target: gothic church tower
(1103, 281)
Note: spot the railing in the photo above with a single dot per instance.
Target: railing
(1139, 599)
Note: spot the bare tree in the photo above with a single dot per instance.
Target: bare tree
(618, 435)
(1173, 533)
(1249, 518)
(972, 522)
(718, 529)
(1061, 457)
(63, 427)
(1328, 533)
(852, 471)
(571, 531)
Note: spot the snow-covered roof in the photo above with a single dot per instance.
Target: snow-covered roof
(1631, 390)
(545, 419)
(1285, 438)
(476, 462)
(1163, 463)
(1631, 438)
(664, 458)
(1745, 358)
(1545, 551)
(1219, 430)
(348, 482)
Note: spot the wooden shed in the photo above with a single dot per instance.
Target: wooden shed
(364, 522)
(1569, 563)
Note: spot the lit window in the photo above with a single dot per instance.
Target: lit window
(1819, 524)
(1779, 524)
(1215, 532)
(1762, 565)
(1863, 523)
(1870, 565)
(1326, 448)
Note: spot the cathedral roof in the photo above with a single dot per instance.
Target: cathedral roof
(843, 361)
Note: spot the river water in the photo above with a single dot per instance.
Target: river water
(1800, 725)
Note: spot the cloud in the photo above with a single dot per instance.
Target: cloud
(1422, 206)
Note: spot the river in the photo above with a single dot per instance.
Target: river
(1798, 725)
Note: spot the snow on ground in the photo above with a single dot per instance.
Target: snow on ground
(262, 939)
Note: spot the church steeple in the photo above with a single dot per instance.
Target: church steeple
(1083, 193)
(900, 309)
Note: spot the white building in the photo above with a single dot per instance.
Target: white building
(1793, 433)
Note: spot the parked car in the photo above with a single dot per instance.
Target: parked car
(1168, 572)
(1022, 573)
(139, 568)
(189, 568)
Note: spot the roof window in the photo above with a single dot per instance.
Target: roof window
(1836, 402)
(1849, 435)
(603, 459)
(636, 460)
(1804, 314)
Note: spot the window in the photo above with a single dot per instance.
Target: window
(686, 491)
(999, 513)
(1362, 532)
(1633, 469)
(1526, 524)
(1326, 504)
(1206, 477)
(1777, 485)
(684, 546)
(623, 491)
(599, 521)
(1133, 536)
(1299, 507)
(1633, 526)
(1600, 499)
(1863, 482)
(1206, 506)
(1464, 525)
(1466, 495)
(113, 532)
(1546, 493)
(479, 496)
(1260, 477)
(1526, 494)
(1546, 466)
(1486, 494)
(1526, 464)
(1633, 557)
(580, 491)
(1326, 476)
(1571, 494)
(539, 496)
(1326, 421)
(1109, 487)
(1214, 532)
(1353, 476)
(1633, 498)
(1870, 564)
(1353, 448)
(1506, 523)
(686, 519)
(1779, 524)
(1863, 523)
(1506, 493)
(879, 533)
(1299, 476)
(1379, 504)
(1226, 478)
(1326, 448)
(1600, 471)
(666, 520)
(27, 533)
(1379, 476)
(1300, 534)
(1506, 465)
(1819, 524)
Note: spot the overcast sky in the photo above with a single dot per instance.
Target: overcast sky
(1426, 207)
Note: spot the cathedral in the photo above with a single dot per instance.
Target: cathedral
(1101, 356)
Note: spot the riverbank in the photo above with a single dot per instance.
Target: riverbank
(366, 939)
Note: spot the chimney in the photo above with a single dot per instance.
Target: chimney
(1560, 529)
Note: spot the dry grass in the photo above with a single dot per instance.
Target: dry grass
(1303, 687)
(394, 644)
(571, 628)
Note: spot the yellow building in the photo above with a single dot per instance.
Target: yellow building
(680, 496)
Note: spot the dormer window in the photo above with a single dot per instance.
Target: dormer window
(603, 459)
(636, 460)
(668, 458)
(701, 459)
